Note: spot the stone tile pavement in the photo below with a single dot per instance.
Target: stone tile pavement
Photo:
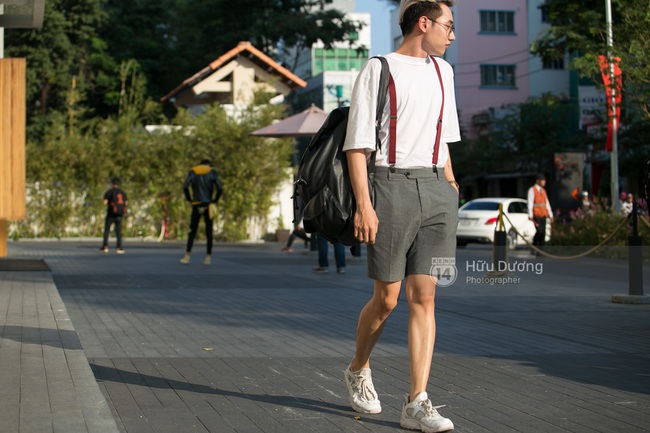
(257, 343)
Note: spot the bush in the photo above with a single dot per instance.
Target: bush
(581, 230)
(69, 171)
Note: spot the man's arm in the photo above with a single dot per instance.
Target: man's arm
(531, 202)
(449, 172)
(186, 186)
(217, 185)
(365, 218)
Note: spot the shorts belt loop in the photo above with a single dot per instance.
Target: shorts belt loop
(435, 170)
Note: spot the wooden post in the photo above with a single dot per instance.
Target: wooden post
(12, 145)
(3, 238)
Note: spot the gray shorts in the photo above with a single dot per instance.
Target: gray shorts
(418, 216)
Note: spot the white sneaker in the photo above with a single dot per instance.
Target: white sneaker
(363, 397)
(421, 415)
(186, 259)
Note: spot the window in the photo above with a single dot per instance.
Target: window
(497, 22)
(330, 64)
(517, 207)
(482, 205)
(544, 14)
(319, 65)
(498, 76)
(338, 59)
(554, 64)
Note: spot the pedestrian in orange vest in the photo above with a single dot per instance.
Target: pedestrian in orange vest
(539, 210)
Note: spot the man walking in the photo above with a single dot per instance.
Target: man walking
(116, 205)
(539, 209)
(202, 189)
(413, 216)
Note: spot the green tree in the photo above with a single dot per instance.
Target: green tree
(524, 138)
(59, 58)
(578, 27)
(250, 168)
(172, 39)
(69, 172)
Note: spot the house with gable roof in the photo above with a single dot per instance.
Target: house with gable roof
(232, 80)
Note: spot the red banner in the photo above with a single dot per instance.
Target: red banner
(606, 73)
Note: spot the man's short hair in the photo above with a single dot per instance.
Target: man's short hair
(206, 162)
(411, 10)
(540, 176)
(115, 181)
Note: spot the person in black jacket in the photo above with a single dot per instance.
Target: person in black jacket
(201, 188)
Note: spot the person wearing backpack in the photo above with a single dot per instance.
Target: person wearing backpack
(116, 204)
(202, 189)
(406, 200)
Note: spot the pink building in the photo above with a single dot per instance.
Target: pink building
(491, 59)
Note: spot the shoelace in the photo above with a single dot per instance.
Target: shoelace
(429, 409)
(361, 386)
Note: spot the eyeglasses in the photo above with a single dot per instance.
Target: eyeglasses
(450, 29)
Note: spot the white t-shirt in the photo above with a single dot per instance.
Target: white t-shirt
(418, 105)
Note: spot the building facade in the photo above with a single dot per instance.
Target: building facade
(330, 72)
(492, 61)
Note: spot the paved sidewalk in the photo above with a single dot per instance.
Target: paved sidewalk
(257, 343)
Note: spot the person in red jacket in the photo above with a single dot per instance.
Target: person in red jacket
(539, 210)
(201, 188)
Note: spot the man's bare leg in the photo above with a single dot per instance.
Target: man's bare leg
(372, 320)
(420, 294)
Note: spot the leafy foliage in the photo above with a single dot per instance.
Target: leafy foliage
(524, 138)
(180, 37)
(96, 69)
(68, 173)
(586, 229)
(579, 28)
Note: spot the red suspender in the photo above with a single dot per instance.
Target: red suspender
(442, 107)
(392, 125)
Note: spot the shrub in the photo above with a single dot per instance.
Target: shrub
(581, 230)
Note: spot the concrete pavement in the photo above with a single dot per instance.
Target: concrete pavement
(257, 343)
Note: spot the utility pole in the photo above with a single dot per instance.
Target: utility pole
(613, 157)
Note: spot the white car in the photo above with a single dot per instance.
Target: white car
(477, 220)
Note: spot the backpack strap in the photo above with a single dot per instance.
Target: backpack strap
(386, 86)
(392, 123)
(436, 146)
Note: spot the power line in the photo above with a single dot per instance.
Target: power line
(529, 73)
(493, 58)
(476, 71)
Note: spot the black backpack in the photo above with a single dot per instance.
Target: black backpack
(118, 202)
(322, 190)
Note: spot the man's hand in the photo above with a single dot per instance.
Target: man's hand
(365, 225)
(365, 218)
